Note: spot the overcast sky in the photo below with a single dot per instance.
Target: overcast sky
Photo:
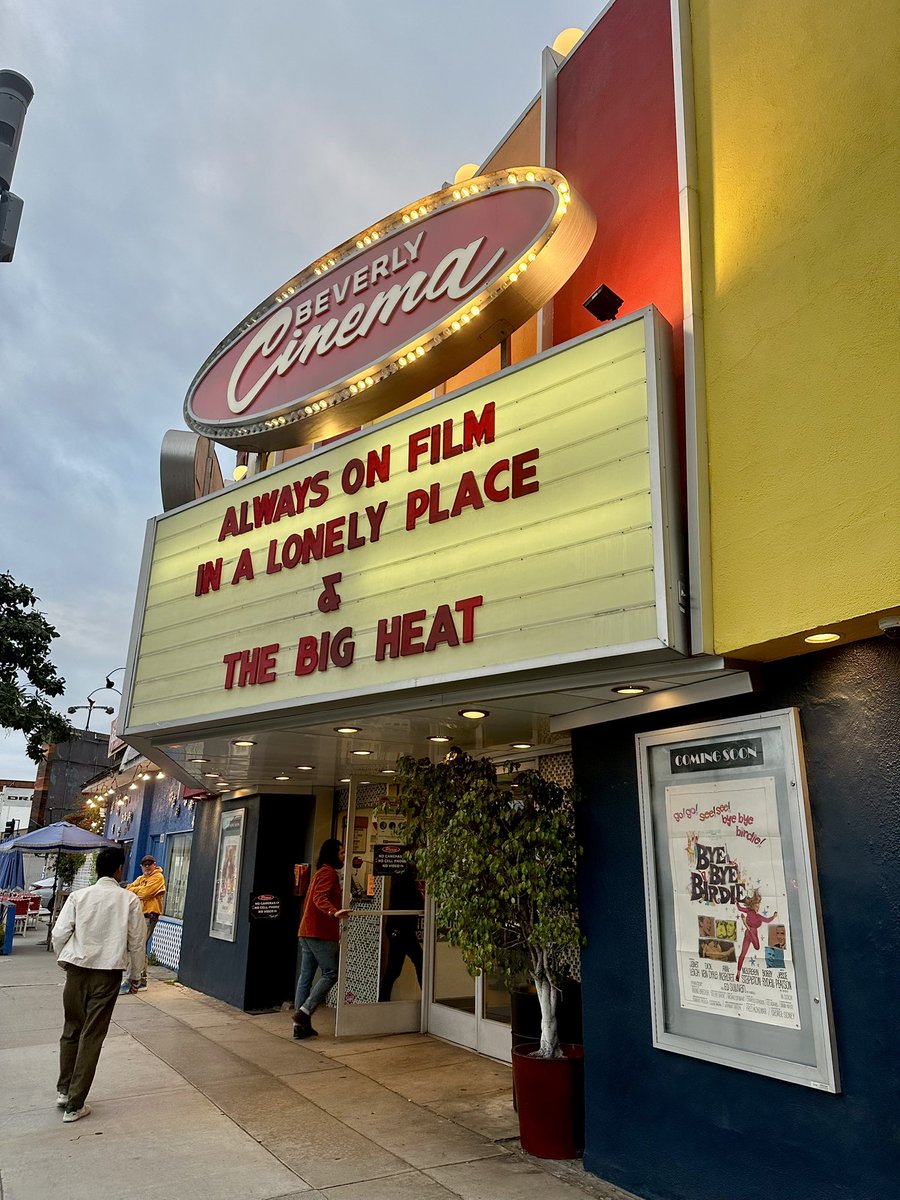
(179, 161)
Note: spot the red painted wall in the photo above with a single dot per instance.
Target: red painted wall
(616, 146)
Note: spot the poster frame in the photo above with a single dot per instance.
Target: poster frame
(227, 931)
(669, 1032)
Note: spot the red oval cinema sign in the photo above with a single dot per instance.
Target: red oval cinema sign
(392, 313)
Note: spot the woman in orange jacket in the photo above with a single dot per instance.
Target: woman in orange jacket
(320, 935)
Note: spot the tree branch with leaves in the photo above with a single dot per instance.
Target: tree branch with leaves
(27, 676)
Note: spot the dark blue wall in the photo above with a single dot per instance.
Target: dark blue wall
(209, 964)
(670, 1127)
(258, 969)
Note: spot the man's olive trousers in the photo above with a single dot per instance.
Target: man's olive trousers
(88, 1001)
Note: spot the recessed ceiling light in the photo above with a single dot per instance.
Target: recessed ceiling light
(282, 778)
(346, 729)
(303, 768)
(364, 782)
(243, 742)
(198, 760)
(388, 771)
(474, 714)
(343, 781)
(821, 639)
(361, 753)
(439, 738)
(630, 689)
(211, 775)
(520, 745)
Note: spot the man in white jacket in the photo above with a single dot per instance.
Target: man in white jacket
(100, 932)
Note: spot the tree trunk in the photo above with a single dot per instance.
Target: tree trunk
(547, 998)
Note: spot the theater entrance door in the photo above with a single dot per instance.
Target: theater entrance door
(469, 1010)
(381, 959)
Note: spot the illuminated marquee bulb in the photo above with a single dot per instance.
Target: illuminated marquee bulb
(512, 179)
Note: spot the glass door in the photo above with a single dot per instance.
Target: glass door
(381, 958)
(469, 1010)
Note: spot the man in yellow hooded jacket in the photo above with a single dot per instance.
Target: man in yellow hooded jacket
(149, 887)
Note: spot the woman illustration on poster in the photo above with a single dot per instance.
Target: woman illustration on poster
(752, 919)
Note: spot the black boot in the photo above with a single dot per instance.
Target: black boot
(302, 1025)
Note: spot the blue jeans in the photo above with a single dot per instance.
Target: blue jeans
(317, 952)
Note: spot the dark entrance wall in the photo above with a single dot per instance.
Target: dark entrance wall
(675, 1128)
(257, 969)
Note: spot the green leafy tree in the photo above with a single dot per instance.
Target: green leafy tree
(500, 862)
(27, 676)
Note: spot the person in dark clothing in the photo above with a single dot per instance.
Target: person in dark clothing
(400, 931)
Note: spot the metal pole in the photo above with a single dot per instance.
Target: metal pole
(55, 906)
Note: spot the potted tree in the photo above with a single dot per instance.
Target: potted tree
(499, 859)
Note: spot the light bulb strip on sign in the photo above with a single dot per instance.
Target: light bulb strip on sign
(250, 393)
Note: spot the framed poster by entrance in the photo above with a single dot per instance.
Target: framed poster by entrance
(226, 889)
(737, 959)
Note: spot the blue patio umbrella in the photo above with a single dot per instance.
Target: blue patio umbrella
(12, 871)
(60, 836)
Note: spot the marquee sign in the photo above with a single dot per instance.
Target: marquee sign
(388, 315)
(521, 527)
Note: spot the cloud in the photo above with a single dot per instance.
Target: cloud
(178, 163)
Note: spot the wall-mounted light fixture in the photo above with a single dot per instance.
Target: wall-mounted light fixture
(603, 304)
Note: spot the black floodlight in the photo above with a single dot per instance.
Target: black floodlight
(604, 304)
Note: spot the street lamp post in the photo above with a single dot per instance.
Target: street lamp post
(90, 706)
(108, 686)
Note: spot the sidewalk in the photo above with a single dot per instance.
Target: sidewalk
(200, 1101)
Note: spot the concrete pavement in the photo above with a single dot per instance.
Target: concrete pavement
(203, 1102)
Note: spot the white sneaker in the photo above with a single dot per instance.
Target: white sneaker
(84, 1111)
(62, 1099)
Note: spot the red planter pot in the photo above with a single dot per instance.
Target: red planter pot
(550, 1099)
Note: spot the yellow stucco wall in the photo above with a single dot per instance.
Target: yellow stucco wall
(799, 178)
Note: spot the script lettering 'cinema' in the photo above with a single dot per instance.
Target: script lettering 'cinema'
(287, 338)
